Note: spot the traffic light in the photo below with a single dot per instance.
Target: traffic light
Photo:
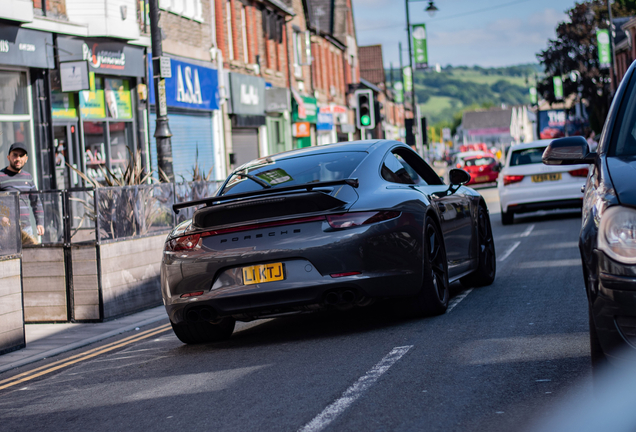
(365, 115)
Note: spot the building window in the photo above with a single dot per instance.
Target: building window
(190, 9)
(244, 35)
(230, 39)
(15, 115)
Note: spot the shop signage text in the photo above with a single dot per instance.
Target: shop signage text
(247, 94)
(192, 86)
(23, 47)
(105, 56)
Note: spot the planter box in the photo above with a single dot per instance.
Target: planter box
(11, 315)
(45, 284)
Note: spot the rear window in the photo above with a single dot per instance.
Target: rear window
(312, 168)
(479, 161)
(527, 156)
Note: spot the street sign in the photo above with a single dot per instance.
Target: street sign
(163, 104)
(604, 51)
(420, 53)
(558, 87)
(165, 67)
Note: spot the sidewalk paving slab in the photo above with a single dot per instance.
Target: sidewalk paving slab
(48, 340)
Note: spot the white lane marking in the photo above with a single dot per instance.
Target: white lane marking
(350, 395)
(509, 251)
(457, 299)
(527, 232)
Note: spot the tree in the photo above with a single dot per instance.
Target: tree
(574, 49)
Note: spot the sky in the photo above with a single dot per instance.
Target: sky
(509, 32)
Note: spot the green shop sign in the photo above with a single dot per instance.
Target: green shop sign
(307, 111)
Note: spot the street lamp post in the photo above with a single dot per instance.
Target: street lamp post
(162, 129)
(431, 9)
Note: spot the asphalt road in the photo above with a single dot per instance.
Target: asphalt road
(498, 360)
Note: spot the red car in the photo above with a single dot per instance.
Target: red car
(482, 169)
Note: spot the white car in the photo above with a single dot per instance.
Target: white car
(526, 185)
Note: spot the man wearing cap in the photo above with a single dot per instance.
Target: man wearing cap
(14, 178)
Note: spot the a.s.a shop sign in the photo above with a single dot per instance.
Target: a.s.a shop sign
(192, 86)
(103, 56)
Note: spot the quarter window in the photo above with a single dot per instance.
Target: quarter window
(396, 170)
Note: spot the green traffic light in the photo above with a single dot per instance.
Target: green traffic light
(365, 120)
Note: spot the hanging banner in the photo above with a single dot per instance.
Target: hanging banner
(533, 95)
(604, 51)
(558, 87)
(420, 53)
(399, 92)
(407, 77)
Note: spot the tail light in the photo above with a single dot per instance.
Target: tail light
(188, 242)
(509, 179)
(350, 220)
(581, 172)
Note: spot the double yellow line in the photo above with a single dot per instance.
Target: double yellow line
(60, 364)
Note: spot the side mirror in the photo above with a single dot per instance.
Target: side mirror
(568, 151)
(458, 177)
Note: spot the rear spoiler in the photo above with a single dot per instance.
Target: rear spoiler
(307, 186)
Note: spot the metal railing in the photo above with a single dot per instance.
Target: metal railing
(10, 233)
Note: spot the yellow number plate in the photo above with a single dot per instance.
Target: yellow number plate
(546, 177)
(481, 178)
(263, 273)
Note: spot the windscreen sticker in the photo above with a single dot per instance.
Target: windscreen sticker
(275, 176)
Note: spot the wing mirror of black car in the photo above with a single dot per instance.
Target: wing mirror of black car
(457, 177)
(568, 151)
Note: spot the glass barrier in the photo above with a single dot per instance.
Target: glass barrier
(81, 210)
(191, 191)
(10, 233)
(45, 210)
(133, 211)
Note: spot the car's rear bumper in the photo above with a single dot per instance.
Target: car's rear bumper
(529, 207)
(386, 256)
(614, 306)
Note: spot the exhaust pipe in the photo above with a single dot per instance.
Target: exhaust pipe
(348, 296)
(332, 298)
(192, 315)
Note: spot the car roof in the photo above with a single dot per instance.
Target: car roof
(533, 144)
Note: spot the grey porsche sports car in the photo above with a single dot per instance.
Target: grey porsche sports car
(334, 226)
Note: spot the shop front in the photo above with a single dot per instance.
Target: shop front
(193, 109)
(277, 108)
(94, 106)
(304, 119)
(247, 113)
(325, 127)
(25, 58)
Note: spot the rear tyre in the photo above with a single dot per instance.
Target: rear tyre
(487, 268)
(202, 332)
(507, 218)
(434, 293)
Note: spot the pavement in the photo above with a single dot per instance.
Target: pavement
(48, 340)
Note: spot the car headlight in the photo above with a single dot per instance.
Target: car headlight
(617, 234)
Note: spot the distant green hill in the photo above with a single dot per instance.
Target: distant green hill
(444, 95)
